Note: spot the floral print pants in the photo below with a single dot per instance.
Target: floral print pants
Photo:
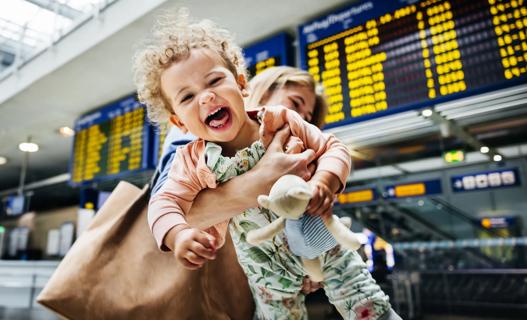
(275, 276)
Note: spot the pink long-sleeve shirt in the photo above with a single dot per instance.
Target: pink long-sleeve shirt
(189, 173)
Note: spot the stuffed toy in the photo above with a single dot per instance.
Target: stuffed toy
(308, 236)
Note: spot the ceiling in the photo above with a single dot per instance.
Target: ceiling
(28, 26)
(91, 67)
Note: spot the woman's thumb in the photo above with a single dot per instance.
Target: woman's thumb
(280, 138)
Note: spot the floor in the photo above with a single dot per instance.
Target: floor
(316, 311)
(26, 314)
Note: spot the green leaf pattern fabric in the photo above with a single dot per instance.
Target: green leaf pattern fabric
(275, 274)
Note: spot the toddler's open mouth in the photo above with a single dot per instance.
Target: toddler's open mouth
(218, 118)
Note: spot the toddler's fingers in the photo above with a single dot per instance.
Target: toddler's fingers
(326, 214)
(212, 242)
(189, 265)
(325, 206)
(205, 239)
(181, 257)
(309, 286)
(202, 251)
(195, 259)
(311, 167)
(315, 202)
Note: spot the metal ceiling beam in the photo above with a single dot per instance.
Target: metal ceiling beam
(11, 46)
(8, 51)
(450, 127)
(59, 8)
(61, 178)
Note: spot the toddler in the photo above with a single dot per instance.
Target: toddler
(194, 74)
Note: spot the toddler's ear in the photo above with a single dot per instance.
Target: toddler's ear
(242, 82)
(175, 121)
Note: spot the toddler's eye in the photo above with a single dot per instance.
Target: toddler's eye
(187, 97)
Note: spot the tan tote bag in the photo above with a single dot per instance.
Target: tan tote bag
(115, 271)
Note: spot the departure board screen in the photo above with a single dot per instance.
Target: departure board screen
(160, 135)
(273, 51)
(380, 57)
(167, 135)
(111, 141)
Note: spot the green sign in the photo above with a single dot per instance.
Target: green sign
(454, 156)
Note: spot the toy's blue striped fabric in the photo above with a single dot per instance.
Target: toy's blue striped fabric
(308, 236)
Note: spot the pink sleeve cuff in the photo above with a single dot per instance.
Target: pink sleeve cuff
(162, 225)
(341, 170)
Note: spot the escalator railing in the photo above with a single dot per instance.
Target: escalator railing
(473, 292)
(444, 217)
(431, 220)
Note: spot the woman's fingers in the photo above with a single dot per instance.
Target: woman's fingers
(279, 139)
(303, 166)
(307, 156)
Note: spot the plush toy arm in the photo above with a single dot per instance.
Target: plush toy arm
(257, 236)
(346, 221)
(263, 201)
(343, 235)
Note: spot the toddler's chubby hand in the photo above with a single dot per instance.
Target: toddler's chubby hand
(321, 203)
(193, 247)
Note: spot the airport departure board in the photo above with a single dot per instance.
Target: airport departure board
(380, 57)
(111, 141)
(160, 135)
(273, 51)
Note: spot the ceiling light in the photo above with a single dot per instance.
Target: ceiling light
(497, 157)
(3, 160)
(484, 149)
(427, 113)
(28, 147)
(66, 131)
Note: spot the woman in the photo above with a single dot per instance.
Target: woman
(296, 90)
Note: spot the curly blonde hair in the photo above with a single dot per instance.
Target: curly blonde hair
(173, 36)
(265, 83)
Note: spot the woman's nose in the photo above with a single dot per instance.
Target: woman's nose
(206, 97)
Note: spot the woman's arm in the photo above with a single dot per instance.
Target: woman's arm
(213, 206)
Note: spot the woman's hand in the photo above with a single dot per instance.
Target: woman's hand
(276, 163)
(206, 212)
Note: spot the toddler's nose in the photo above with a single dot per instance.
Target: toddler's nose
(206, 97)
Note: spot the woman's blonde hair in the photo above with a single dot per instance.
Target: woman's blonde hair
(173, 36)
(265, 83)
